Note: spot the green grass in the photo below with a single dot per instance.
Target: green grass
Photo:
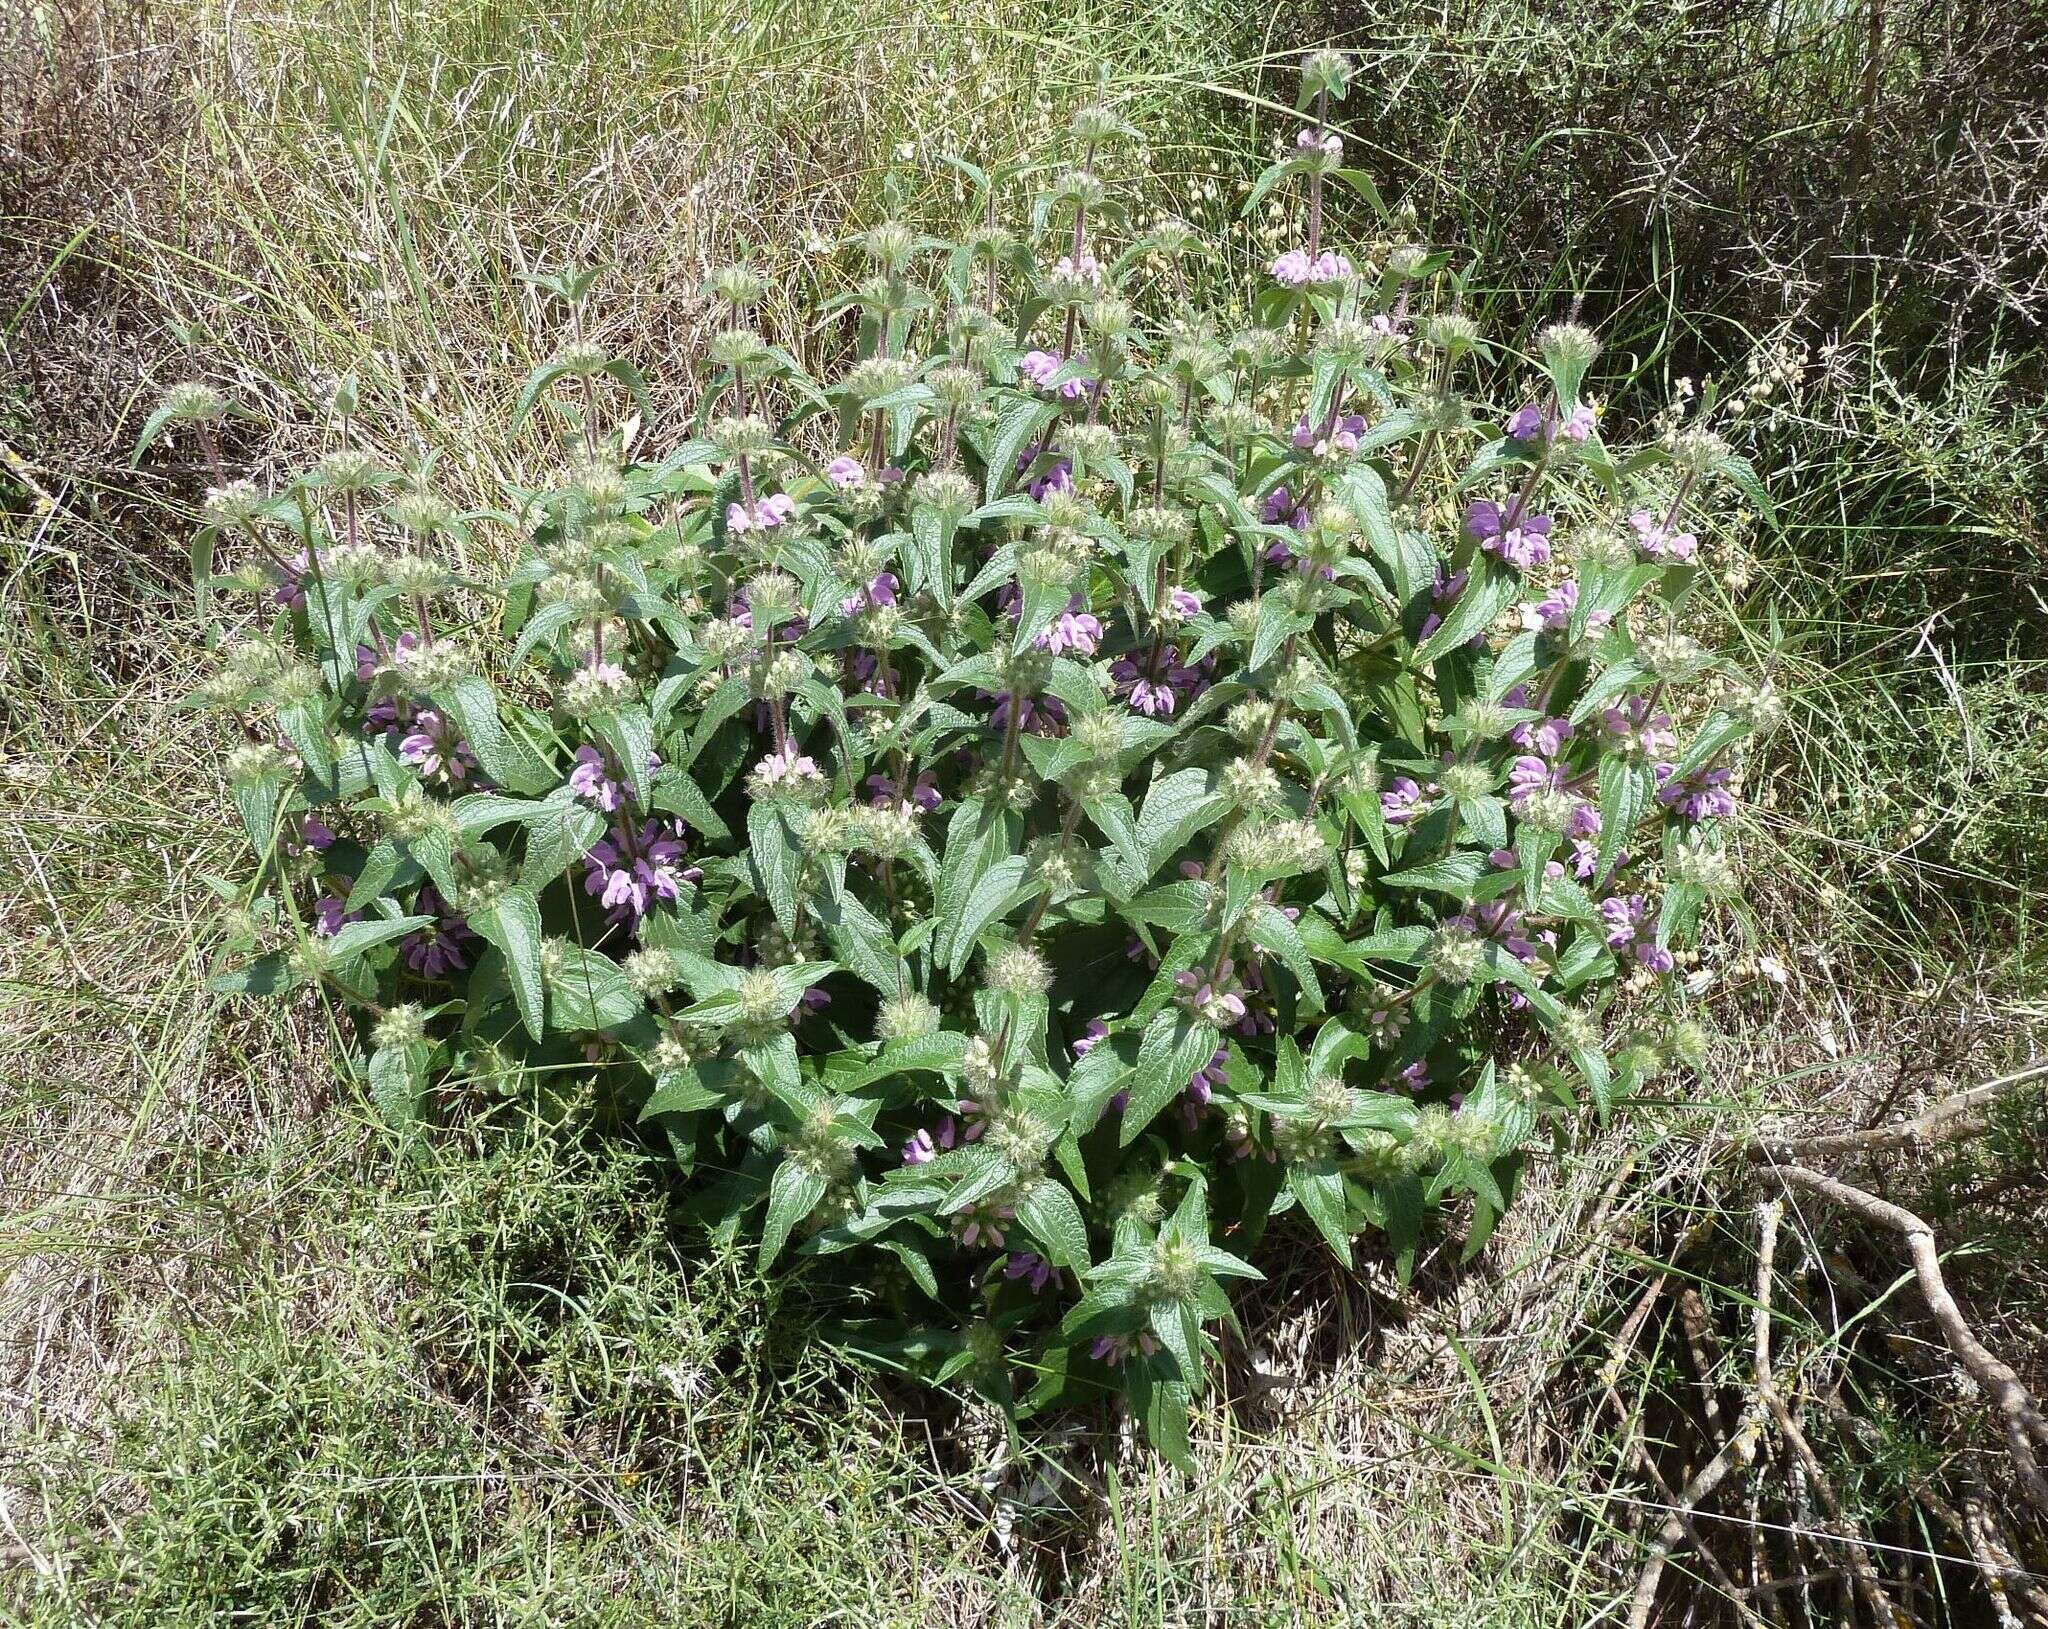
(261, 1363)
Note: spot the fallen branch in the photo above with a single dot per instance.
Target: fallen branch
(1739, 1450)
(1864, 1573)
(1951, 1117)
(2024, 1424)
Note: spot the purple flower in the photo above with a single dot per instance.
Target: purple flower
(1074, 629)
(433, 747)
(845, 471)
(331, 914)
(983, 1224)
(292, 591)
(1702, 795)
(1295, 268)
(1521, 540)
(1631, 933)
(1546, 736)
(1500, 923)
(1116, 1348)
(1554, 610)
(1214, 998)
(1281, 509)
(1156, 690)
(1036, 715)
(928, 1145)
(441, 947)
(1058, 476)
(1443, 594)
(769, 513)
(1528, 422)
(881, 591)
(924, 792)
(1402, 802)
(1097, 1031)
(1658, 541)
(1201, 1088)
(1529, 774)
(630, 867)
(786, 765)
(1038, 368)
(1324, 439)
(593, 781)
(1035, 1270)
(1416, 1076)
(1638, 731)
(368, 661)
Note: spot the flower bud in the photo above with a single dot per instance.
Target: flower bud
(1455, 955)
(738, 286)
(651, 972)
(1176, 1273)
(1567, 345)
(1464, 782)
(194, 403)
(400, 1026)
(906, 1018)
(947, 493)
(581, 359)
(736, 348)
(238, 504)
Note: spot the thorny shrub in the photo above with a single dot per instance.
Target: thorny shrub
(1137, 782)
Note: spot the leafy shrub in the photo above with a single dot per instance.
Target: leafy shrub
(1014, 849)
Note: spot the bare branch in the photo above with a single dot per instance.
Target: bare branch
(1951, 1117)
(2024, 1424)
(1740, 1450)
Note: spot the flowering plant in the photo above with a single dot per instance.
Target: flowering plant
(1023, 816)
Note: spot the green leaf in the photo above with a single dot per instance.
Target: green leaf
(1176, 807)
(1625, 792)
(398, 1081)
(266, 975)
(1051, 1217)
(357, 937)
(1319, 1189)
(1453, 874)
(1176, 1044)
(512, 923)
(793, 1193)
(590, 992)
(776, 859)
(1162, 1406)
(629, 733)
(985, 900)
(1490, 591)
(473, 704)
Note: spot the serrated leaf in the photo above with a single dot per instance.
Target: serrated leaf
(1051, 1217)
(1489, 592)
(1626, 790)
(793, 1193)
(473, 704)
(512, 923)
(986, 898)
(1176, 1044)
(1319, 1190)
(1176, 807)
